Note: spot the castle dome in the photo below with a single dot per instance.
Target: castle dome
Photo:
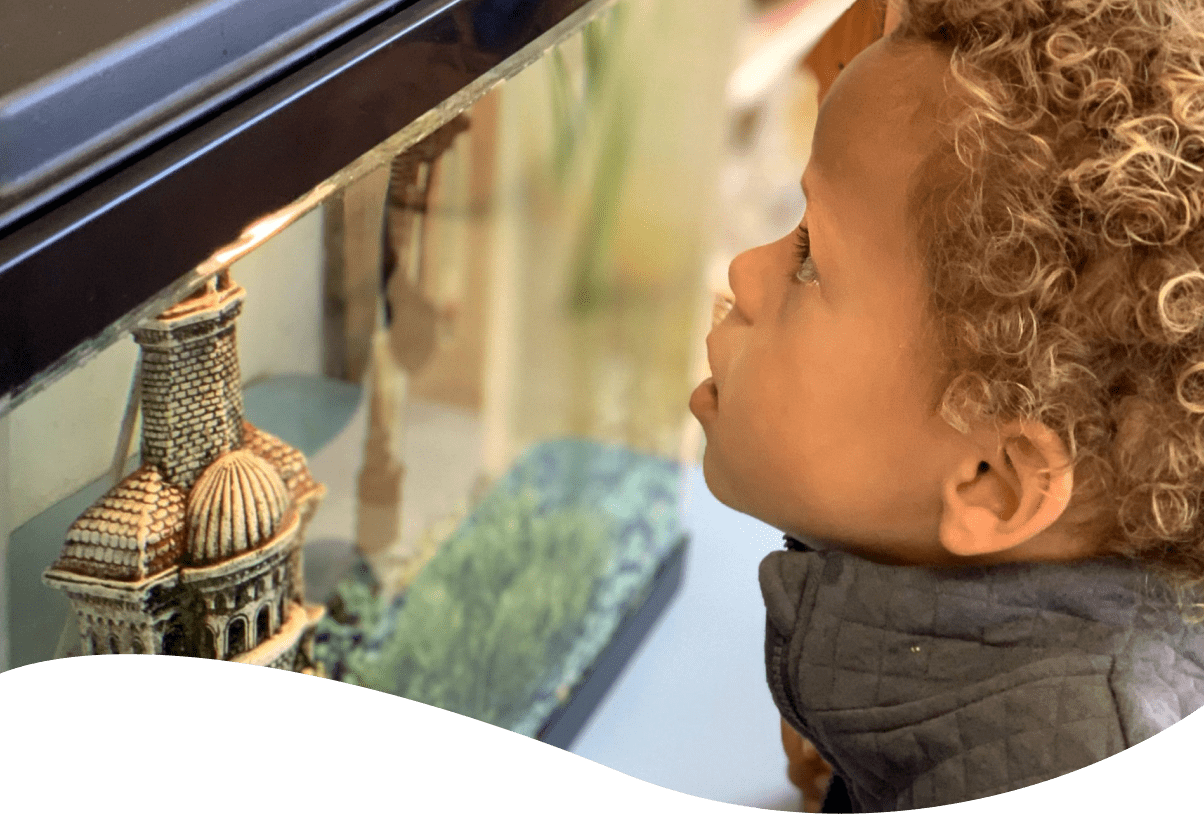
(236, 504)
(134, 531)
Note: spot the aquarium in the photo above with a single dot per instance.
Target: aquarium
(421, 429)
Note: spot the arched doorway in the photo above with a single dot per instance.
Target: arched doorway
(174, 641)
(263, 625)
(236, 637)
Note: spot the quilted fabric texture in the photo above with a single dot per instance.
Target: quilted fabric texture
(927, 686)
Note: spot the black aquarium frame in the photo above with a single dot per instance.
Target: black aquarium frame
(99, 237)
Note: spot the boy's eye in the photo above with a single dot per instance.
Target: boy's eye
(804, 270)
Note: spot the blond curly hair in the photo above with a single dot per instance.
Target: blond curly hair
(1064, 235)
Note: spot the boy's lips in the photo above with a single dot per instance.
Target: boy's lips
(710, 346)
(705, 398)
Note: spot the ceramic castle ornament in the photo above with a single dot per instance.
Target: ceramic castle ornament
(198, 551)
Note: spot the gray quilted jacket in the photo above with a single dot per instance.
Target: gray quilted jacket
(928, 686)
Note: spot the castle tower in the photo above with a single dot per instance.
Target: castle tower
(199, 551)
(192, 408)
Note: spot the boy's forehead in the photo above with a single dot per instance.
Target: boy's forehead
(880, 118)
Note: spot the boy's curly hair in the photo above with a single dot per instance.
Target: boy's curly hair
(1066, 249)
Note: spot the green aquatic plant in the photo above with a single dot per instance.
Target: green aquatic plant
(357, 603)
(487, 620)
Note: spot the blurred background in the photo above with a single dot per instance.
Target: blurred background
(535, 276)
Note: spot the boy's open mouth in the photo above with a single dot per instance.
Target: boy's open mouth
(723, 304)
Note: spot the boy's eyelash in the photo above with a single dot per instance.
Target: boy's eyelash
(804, 270)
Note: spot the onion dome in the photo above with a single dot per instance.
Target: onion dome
(236, 504)
(136, 530)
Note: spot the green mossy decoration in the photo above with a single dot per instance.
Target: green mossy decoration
(481, 623)
(517, 608)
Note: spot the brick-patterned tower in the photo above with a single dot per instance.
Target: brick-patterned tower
(192, 409)
(199, 551)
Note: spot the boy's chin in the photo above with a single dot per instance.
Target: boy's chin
(716, 483)
(721, 488)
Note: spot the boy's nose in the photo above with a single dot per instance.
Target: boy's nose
(745, 277)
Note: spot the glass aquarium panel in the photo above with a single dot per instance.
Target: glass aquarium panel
(424, 429)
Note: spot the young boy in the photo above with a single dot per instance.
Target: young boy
(973, 382)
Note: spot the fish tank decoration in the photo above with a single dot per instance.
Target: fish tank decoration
(198, 552)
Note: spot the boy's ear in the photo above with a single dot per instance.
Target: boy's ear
(995, 502)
